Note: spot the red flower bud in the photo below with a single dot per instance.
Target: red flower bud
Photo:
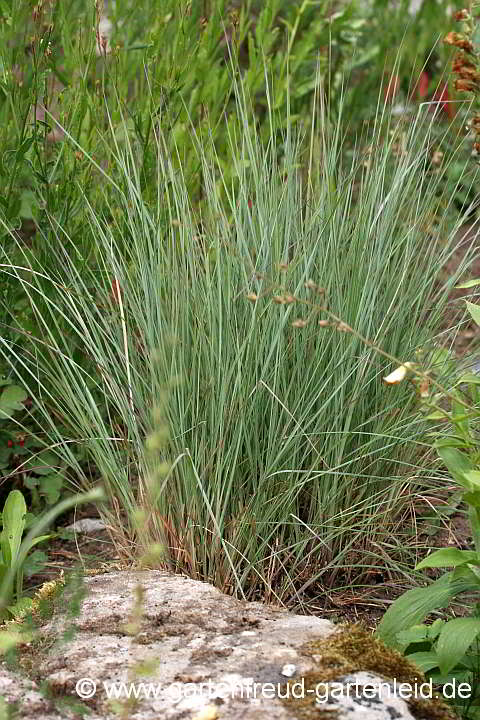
(422, 85)
(9, 443)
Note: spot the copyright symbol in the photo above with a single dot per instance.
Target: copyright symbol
(86, 688)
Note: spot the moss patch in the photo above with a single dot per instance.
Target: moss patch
(350, 650)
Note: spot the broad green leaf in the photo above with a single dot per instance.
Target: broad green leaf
(30, 520)
(448, 441)
(31, 481)
(28, 204)
(460, 418)
(456, 637)
(43, 463)
(425, 660)
(474, 311)
(414, 605)
(468, 575)
(449, 557)
(51, 486)
(457, 464)
(35, 562)
(433, 630)
(473, 477)
(418, 634)
(13, 518)
(440, 356)
(11, 400)
(472, 498)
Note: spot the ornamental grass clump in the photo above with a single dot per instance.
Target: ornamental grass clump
(285, 462)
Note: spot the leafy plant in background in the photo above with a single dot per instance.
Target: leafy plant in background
(466, 70)
(189, 49)
(170, 68)
(24, 459)
(449, 650)
(12, 399)
(415, 75)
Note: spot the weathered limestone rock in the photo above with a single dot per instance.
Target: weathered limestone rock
(153, 645)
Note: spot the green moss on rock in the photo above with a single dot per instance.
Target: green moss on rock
(350, 650)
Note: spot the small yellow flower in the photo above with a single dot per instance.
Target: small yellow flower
(398, 374)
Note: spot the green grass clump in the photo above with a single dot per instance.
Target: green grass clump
(277, 461)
